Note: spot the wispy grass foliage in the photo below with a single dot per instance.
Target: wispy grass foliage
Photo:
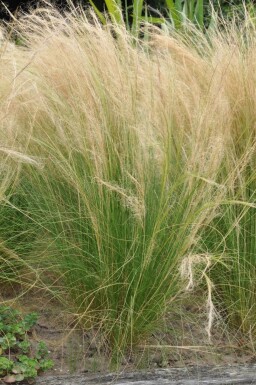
(126, 156)
(233, 230)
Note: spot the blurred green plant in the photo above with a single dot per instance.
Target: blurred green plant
(175, 13)
(18, 360)
(178, 12)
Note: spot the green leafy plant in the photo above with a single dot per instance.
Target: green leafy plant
(19, 360)
(182, 11)
(179, 12)
(116, 14)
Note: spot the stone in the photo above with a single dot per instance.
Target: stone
(232, 375)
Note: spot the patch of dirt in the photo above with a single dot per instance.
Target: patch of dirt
(182, 342)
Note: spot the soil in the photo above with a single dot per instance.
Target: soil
(181, 343)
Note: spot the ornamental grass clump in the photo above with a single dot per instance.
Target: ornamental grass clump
(128, 169)
(130, 158)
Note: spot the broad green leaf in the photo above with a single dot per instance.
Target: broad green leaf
(153, 20)
(115, 10)
(137, 12)
(16, 369)
(190, 9)
(174, 12)
(98, 13)
(199, 13)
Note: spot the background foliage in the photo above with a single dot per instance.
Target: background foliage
(154, 8)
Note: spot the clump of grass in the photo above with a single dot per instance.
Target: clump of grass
(125, 187)
(133, 152)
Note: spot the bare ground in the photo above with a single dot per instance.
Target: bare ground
(182, 342)
(180, 351)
